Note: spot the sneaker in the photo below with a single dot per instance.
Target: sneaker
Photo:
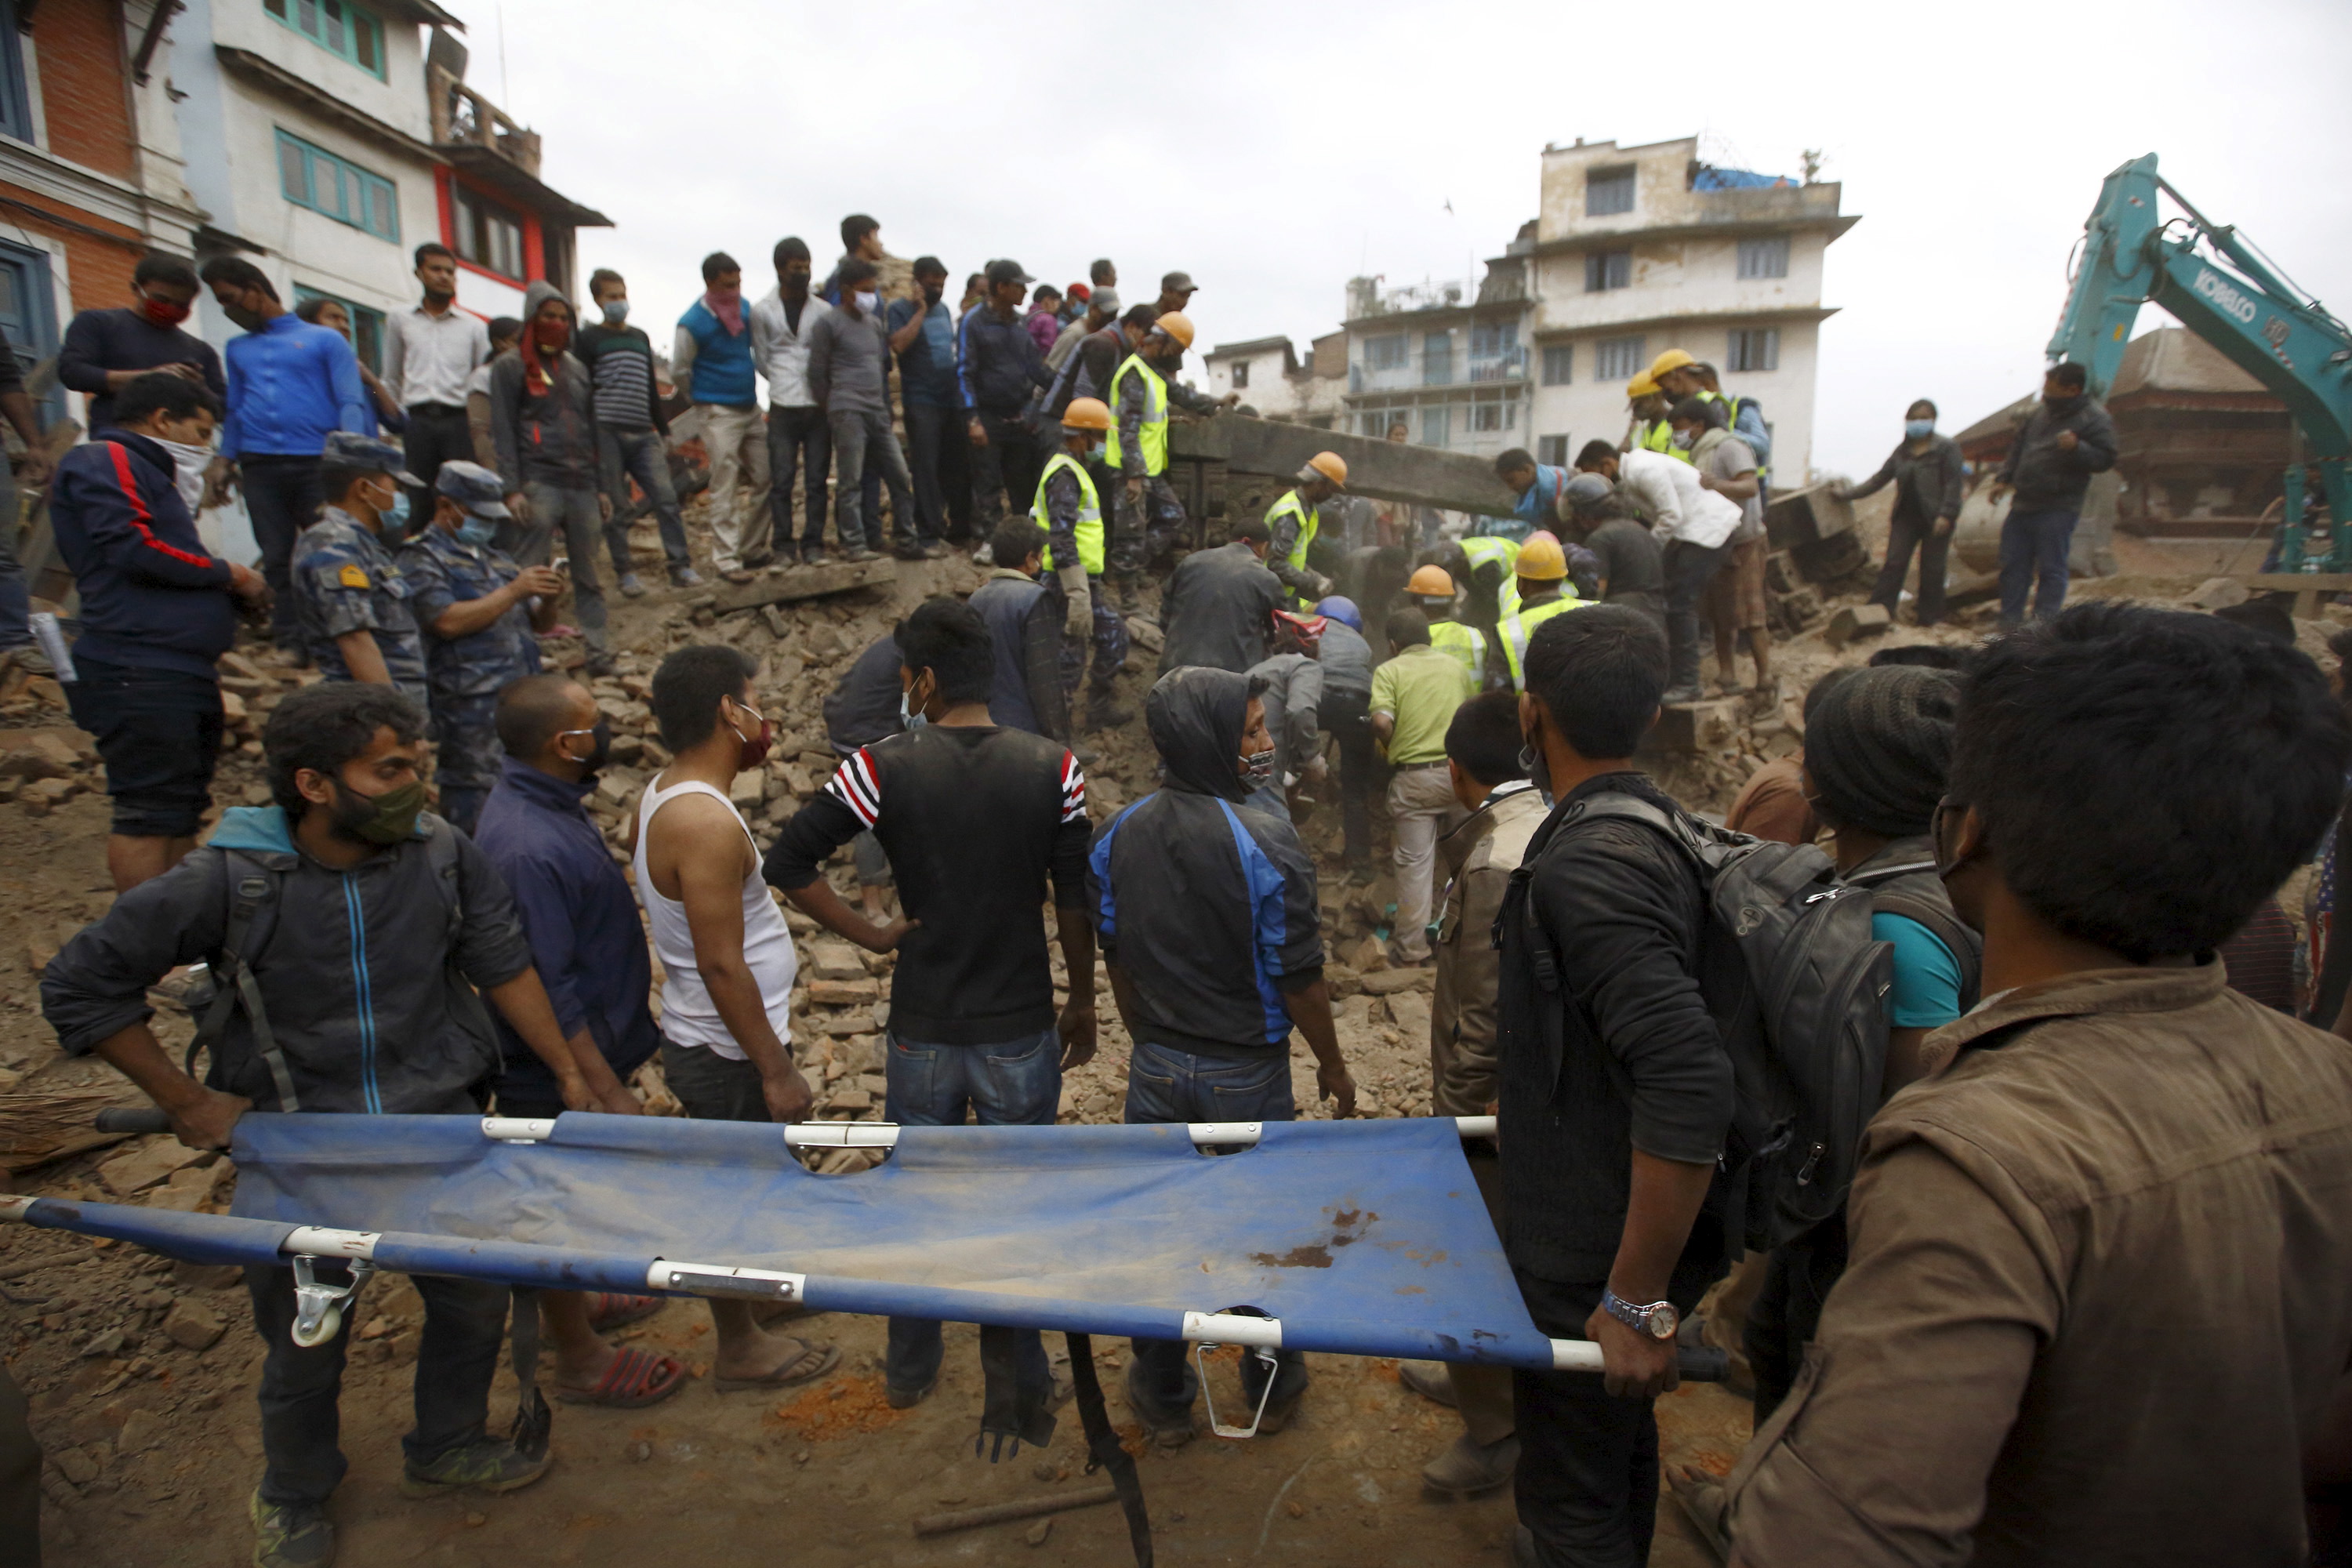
(857, 555)
(486, 1464)
(685, 577)
(759, 559)
(1429, 1380)
(935, 551)
(1677, 695)
(812, 555)
(910, 550)
(983, 556)
(1468, 1469)
(1169, 1428)
(632, 585)
(908, 1398)
(291, 1534)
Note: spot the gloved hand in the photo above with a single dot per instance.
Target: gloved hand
(1078, 622)
(1318, 586)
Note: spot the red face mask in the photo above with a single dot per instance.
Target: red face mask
(754, 750)
(161, 312)
(552, 337)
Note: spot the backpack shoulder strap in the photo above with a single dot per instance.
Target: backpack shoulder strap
(1966, 947)
(252, 887)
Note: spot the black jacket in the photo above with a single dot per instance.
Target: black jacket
(1207, 907)
(1024, 627)
(2046, 476)
(1219, 610)
(152, 597)
(1642, 1064)
(1927, 485)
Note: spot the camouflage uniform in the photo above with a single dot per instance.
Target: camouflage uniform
(345, 580)
(467, 672)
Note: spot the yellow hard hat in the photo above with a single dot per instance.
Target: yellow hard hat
(1177, 325)
(1673, 359)
(1330, 465)
(1431, 582)
(1641, 387)
(1542, 560)
(1086, 414)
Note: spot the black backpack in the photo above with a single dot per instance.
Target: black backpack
(1798, 987)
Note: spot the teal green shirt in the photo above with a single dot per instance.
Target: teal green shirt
(1926, 991)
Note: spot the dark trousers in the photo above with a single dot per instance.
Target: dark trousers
(1345, 715)
(1787, 1312)
(863, 441)
(159, 731)
(1587, 1485)
(1689, 569)
(1904, 533)
(1003, 472)
(799, 442)
(438, 433)
(1166, 1085)
(464, 1324)
(1107, 638)
(939, 450)
(642, 456)
(282, 495)
(1145, 531)
(1016, 1084)
(2034, 547)
(20, 1481)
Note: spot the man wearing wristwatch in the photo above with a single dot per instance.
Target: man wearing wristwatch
(1615, 1095)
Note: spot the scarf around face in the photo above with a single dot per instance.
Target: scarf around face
(727, 304)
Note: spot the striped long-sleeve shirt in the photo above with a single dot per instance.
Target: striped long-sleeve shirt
(977, 821)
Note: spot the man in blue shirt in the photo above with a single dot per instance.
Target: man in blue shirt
(710, 362)
(1537, 487)
(581, 919)
(922, 334)
(290, 384)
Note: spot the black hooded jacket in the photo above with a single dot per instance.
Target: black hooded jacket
(1208, 907)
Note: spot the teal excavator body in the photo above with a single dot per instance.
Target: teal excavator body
(2219, 287)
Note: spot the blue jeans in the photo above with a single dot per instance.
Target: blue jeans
(642, 456)
(1015, 1084)
(799, 442)
(2034, 547)
(1164, 1085)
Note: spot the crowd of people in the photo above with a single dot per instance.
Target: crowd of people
(2102, 1188)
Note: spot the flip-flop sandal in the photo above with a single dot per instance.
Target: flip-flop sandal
(608, 1310)
(633, 1380)
(813, 1362)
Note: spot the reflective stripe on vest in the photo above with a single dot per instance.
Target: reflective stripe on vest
(1090, 523)
(1153, 438)
(1310, 523)
(1464, 643)
(1515, 630)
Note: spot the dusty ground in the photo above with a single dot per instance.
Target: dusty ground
(141, 1371)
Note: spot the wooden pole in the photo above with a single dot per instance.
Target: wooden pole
(999, 1512)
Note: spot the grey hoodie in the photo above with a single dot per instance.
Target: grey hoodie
(551, 438)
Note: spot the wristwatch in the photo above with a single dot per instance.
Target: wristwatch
(1658, 1319)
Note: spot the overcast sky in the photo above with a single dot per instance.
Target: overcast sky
(1275, 150)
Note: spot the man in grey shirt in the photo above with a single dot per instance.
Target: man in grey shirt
(849, 375)
(1293, 694)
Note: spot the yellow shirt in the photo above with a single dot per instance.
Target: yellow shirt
(1420, 688)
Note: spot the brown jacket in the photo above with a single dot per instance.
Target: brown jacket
(1480, 855)
(2100, 1291)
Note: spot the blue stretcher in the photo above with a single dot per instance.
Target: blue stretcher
(1363, 1237)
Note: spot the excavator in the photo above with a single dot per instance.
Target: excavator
(2220, 287)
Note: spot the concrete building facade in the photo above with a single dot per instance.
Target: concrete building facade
(1640, 250)
(1274, 382)
(327, 139)
(1449, 359)
(87, 186)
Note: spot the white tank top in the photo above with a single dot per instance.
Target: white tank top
(687, 1016)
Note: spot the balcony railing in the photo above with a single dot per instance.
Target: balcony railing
(1509, 366)
(464, 118)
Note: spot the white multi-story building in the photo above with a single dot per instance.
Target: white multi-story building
(1275, 382)
(1641, 249)
(326, 139)
(1449, 359)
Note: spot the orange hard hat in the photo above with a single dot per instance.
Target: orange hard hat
(1641, 387)
(1541, 560)
(1177, 325)
(1431, 582)
(1086, 414)
(1330, 465)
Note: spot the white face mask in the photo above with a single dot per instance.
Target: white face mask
(866, 302)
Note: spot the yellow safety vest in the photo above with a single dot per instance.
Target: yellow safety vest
(1464, 643)
(1090, 523)
(1482, 549)
(1154, 435)
(1515, 630)
(1310, 523)
(1660, 439)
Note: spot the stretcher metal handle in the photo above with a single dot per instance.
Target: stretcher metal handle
(1699, 1363)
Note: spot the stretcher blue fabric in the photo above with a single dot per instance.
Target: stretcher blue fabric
(1366, 1237)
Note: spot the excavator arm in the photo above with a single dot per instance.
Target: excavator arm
(2220, 288)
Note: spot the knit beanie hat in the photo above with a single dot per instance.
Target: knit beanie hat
(1879, 747)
